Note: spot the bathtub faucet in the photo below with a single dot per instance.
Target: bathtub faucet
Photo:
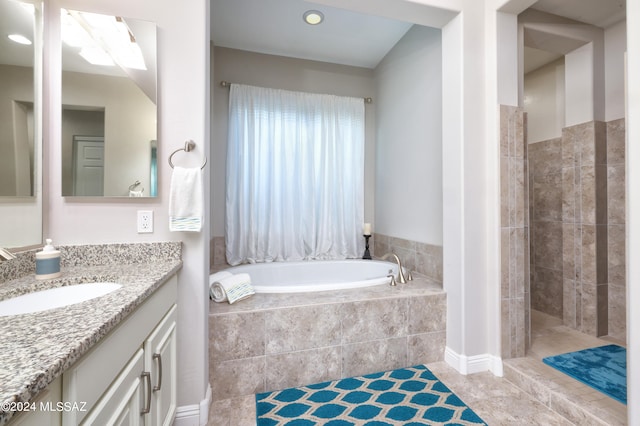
(401, 279)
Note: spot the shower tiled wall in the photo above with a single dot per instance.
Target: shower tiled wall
(616, 228)
(578, 227)
(584, 231)
(423, 258)
(545, 201)
(514, 232)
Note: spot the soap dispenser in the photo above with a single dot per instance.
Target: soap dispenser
(48, 262)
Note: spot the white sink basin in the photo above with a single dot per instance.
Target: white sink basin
(54, 298)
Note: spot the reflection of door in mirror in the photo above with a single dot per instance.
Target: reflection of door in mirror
(89, 123)
(88, 165)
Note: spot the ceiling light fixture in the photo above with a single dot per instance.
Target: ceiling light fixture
(19, 39)
(313, 17)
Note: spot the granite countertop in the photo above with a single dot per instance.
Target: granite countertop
(37, 348)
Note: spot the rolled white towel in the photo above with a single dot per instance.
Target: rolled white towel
(215, 292)
(233, 288)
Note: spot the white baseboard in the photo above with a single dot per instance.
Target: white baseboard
(473, 364)
(196, 414)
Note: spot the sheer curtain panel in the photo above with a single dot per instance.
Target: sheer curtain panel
(295, 176)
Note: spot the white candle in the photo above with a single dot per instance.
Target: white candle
(367, 229)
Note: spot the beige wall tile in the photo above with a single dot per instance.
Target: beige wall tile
(296, 329)
(616, 134)
(237, 377)
(425, 348)
(374, 319)
(427, 314)
(303, 368)
(374, 356)
(235, 336)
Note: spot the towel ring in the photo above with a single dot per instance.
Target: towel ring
(188, 146)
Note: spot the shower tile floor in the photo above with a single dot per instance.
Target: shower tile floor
(531, 393)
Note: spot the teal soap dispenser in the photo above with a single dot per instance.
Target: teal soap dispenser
(48, 262)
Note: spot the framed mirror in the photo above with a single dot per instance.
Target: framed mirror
(109, 114)
(20, 123)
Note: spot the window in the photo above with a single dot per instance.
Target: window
(295, 176)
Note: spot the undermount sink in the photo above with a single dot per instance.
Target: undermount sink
(55, 298)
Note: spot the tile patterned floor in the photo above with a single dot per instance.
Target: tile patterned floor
(497, 400)
(563, 394)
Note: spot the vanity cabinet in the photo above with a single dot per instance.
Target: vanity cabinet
(130, 377)
(42, 412)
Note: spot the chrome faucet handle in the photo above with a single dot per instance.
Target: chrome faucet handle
(392, 283)
(409, 276)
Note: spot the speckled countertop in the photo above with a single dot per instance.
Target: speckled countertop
(37, 348)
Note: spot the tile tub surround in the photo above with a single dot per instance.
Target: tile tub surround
(61, 336)
(275, 341)
(423, 258)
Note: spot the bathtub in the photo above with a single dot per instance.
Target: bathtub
(316, 275)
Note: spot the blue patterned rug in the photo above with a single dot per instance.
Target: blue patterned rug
(603, 368)
(407, 396)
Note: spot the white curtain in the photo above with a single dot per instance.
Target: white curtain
(295, 176)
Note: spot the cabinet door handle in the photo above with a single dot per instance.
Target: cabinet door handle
(158, 357)
(147, 376)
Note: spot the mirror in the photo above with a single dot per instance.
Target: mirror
(17, 142)
(109, 125)
(20, 123)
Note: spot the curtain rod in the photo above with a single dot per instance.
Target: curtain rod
(228, 84)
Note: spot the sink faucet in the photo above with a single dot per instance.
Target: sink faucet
(401, 279)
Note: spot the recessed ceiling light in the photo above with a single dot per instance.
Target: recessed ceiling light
(313, 17)
(19, 39)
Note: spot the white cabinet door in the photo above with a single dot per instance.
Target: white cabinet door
(123, 403)
(160, 358)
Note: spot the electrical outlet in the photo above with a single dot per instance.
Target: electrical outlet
(145, 221)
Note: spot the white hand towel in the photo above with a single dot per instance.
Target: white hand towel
(216, 292)
(186, 200)
(232, 289)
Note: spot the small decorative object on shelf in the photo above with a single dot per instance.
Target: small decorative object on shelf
(366, 231)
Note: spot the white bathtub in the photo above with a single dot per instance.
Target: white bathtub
(317, 275)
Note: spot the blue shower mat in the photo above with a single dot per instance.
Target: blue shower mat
(604, 368)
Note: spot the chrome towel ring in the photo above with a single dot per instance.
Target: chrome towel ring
(188, 146)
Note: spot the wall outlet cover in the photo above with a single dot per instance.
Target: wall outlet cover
(145, 221)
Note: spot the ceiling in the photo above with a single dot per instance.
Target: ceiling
(276, 27)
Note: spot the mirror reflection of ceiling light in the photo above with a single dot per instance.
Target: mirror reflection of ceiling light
(110, 34)
(313, 17)
(96, 56)
(19, 39)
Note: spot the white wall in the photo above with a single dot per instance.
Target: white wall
(237, 66)
(408, 104)
(580, 86)
(21, 223)
(552, 104)
(615, 44)
(183, 105)
(544, 102)
(633, 211)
